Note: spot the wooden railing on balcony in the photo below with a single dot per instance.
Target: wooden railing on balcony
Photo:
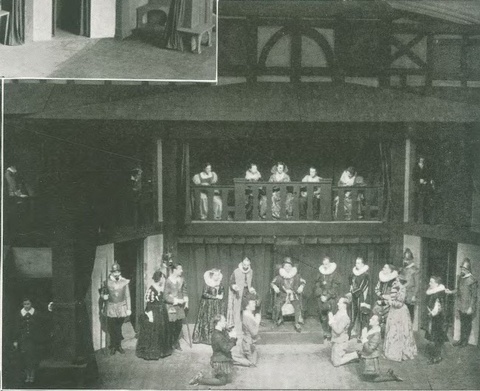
(288, 201)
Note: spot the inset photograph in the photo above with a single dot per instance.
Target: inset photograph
(108, 39)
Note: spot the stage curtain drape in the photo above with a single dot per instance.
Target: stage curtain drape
(197, 258)
(16, 24)
(85, 18)
(385, 156)
(176, 15)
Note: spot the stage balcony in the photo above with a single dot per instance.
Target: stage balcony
(248, 202)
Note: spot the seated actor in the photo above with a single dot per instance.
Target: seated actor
(288, 287)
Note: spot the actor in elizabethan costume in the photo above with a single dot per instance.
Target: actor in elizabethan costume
(28, 336)
(240, 292)
(326, 292)
(212, 303)
(370, 353)
(117, 306)
(250, 327)
(410, 271)
(221, 360)
(359, 285)
(466, 303)
(340, 323)
(435, 332)
(383, 290)
(176, 298)
(288, 287)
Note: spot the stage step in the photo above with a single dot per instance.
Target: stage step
(286, 334)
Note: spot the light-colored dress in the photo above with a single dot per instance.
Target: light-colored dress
(399, 342)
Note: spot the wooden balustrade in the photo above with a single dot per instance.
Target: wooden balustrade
(294, 201)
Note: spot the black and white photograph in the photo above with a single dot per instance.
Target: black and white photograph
(108, 39)
(311, 220)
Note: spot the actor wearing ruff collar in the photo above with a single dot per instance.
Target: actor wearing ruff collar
(370, 353)
(467, 287)
(326, 292)
(383, 289)
(288, 287)
(177, 303)
(28, 335)
(250, 327)
(410, 271)
(153, 340)
(340, 323)
(118, 307)
(399, 339)
(435, 332)
(359, 285)
(240, 291)
(212, 303)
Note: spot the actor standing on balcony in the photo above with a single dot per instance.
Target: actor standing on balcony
(359, 285)
(410, 271)
(326, 291)
(467, 291)
(253, 175)
(288, 287)
(279, 174)
(240, 292)
(207, 178)
(177, 303)
(424, 187)
(118, 307)
(312, 177)
(212, 303)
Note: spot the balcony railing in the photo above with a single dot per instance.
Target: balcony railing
(285, 201)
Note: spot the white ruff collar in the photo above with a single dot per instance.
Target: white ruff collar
(386, 277)
(467, 275)
(209, 280)
(291, 274)
(242, 270)
(410, 265)
(439, 288)
(121, 278)
(31, 312)
(328, 270)
(357, 272)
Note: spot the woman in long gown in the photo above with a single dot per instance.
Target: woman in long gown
(213, 303)
(153, 340)
(399, 342)
(386, 278)
(279, 174)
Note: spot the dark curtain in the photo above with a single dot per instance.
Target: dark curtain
(386, 178)
(16, 24)
(85, 18)
(176, 15)
(197, 258)
(184, 185)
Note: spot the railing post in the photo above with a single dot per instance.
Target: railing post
(224, 194)
(296, 202)
(256, 203)
(240, 203)
(309, 201)
(269, 201)
(210, 195)
(326, 201)
(355, 204)
(283, 201)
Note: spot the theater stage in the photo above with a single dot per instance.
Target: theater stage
(108, 58)
(281, 366)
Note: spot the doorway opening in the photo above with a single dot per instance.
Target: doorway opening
(130, 257)
(69, 18)
(441, 259)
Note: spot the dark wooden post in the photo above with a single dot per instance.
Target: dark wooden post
(326, 201)
(170, 192)
(240, 199)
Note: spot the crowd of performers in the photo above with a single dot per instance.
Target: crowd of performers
(229, 316)
(279, 174)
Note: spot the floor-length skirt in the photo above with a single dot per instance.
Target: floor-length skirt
(202, 332)
(399, 342)
(176, 15)
(153, 340)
